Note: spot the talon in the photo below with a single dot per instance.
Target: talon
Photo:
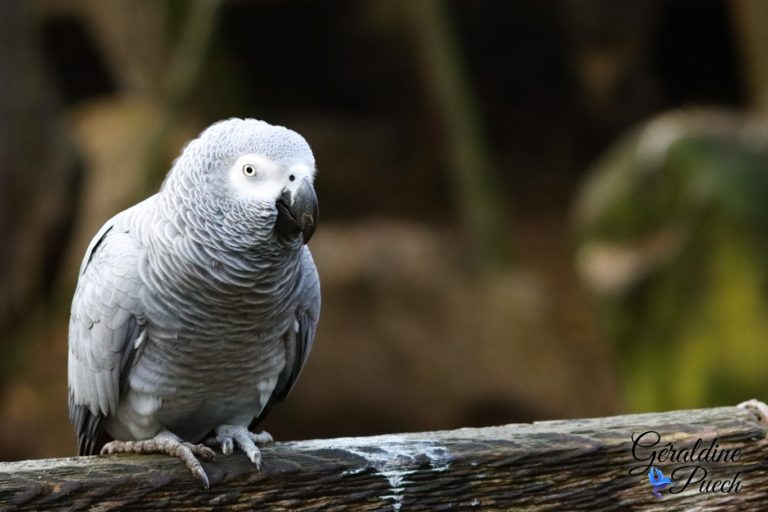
(227, 446)
(255, 457)
(185, 454)
(199, 473)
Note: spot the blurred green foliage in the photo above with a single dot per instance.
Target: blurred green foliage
(673, 242)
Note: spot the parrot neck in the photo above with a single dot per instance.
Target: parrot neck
(219, 222)
(257, 275)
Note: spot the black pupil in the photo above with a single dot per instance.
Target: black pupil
(291, 177)
(249, 169)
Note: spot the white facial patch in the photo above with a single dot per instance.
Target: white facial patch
(258, 178)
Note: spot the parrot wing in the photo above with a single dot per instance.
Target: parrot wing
(105, 330)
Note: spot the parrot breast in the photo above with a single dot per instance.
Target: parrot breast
(216, 332)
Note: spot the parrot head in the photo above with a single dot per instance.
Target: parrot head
(251, 178)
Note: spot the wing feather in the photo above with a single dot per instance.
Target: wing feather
(103, 325)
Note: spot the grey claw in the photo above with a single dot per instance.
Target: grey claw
(227, 446)
(200, 475)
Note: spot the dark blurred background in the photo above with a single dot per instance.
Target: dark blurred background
(530, 210)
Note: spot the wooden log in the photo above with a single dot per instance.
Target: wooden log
(550, 465)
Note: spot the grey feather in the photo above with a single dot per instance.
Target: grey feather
(191, 311)
(299, 342)
(103, 321)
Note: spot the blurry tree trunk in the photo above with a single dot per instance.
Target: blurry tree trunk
(132, 36)
(465, 149)
(38, 171)
(186, 62)
(750, 18)
(39, 179)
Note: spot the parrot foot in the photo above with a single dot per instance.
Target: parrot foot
(228, 435)
(167, 443)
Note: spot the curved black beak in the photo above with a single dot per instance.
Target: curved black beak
(297, 212)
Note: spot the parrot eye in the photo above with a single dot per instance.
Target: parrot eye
(249, 170)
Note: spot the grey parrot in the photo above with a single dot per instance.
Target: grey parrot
(196, 309)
